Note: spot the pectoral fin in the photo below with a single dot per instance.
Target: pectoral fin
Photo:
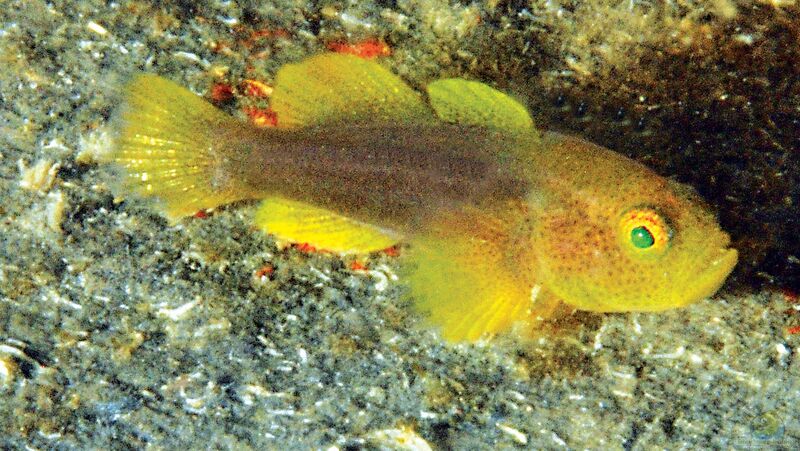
(297, 222)
(470, 274)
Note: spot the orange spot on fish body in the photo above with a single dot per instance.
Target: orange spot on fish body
(793, 330)
(369, 49)
(201, 214)
(358, 266)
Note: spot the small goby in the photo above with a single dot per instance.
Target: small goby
(503, 221)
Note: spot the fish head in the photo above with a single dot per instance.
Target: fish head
(621, 238)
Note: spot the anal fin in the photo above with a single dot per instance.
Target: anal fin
(298, 222)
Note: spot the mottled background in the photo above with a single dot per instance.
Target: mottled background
(117, 330)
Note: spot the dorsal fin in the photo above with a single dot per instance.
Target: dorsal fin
(298, 222)
(468, 102)
(334, 87)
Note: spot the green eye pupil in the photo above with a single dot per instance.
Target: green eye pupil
(642, 238)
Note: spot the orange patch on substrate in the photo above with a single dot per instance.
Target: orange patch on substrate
(201, 214)
(264, 271)
(358, 266)
(371, 48)
(791, 296)
(268, 33)
(391, 251)
(221, 92)
(255, 88)
(262, 117)
(305, 247)
(258, 36)
(220, 47)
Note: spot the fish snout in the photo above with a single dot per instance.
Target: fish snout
(711, 278)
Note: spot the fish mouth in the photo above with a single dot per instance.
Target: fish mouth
(714, 275)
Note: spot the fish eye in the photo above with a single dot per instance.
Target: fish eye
(642, 238)
(644, 231)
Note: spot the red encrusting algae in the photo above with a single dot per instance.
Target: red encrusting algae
(255, 88)
(262, 117)
(221, 93)
(369, 49)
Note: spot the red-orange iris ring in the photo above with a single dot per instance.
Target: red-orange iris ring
(651, 220)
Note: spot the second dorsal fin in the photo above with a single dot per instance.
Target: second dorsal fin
(466, 102)
(333, 87)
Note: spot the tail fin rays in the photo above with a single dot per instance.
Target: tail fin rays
(168, 148)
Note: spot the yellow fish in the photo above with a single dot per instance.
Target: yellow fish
(503, 221)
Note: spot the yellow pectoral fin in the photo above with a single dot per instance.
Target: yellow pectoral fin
(473, 103)
(332, 87)
(298, 222)
(470, 277)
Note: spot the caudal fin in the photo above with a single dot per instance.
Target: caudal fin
(170, 146)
